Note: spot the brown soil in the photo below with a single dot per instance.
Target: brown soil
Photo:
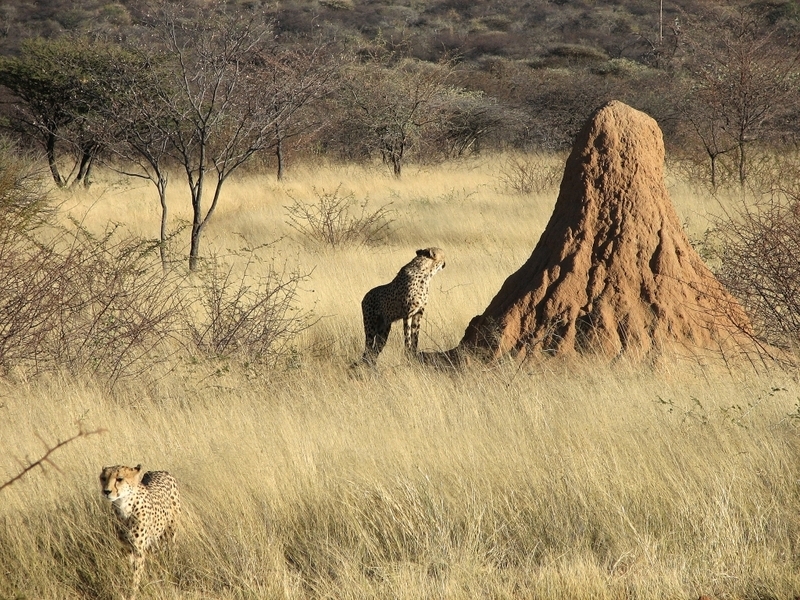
(613, 271)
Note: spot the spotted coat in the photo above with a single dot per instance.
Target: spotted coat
(147, 507)
(405, 297)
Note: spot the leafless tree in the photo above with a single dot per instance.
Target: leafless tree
(295, 77)
(213, 101)
(393, 105)
(744, 78)
(139, 141)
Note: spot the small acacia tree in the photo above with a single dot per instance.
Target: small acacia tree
(58, 87)
(393, 105)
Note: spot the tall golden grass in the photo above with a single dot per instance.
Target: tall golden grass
(564, 480)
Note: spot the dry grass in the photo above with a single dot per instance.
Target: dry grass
(315, 481)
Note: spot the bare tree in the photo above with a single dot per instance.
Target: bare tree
(139, 142)
(704, 113)
(393, 106)
(294, 78)
(213, 102)
(744, 77)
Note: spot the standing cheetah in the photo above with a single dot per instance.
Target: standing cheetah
(147, 507)
(404, 298)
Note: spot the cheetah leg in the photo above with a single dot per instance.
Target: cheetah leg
(376, 341)
(170, 533)
(411, 331)
(137, 560)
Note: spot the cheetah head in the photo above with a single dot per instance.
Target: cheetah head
(436, 256)
(118, 482)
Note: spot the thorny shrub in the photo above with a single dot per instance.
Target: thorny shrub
(248, 314)
(104, 305)
(532, 174)
(337, 220)
(98, 305)
(755, 250)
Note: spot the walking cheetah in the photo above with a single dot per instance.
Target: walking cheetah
(404, 298)
(147, 507)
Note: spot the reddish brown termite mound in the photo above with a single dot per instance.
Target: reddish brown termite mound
(613, 272)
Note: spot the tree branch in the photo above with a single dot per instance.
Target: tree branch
(45, 458)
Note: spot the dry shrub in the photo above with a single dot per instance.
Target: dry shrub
(337, 220)
(532, 174)
(252, 315)
(756, 246)
(123, 307)
(97, 305)
(103, 305)
(23, 200)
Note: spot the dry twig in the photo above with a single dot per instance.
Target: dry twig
(45, 458)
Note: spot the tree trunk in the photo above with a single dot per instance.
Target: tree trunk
(199, 220)
(279, 150)
(279, 155)
(742, 166)
(713, 170)
(87, 181)
(194, 247)
(51, 159)
(397, 158)
(87, 158)
(197, 223)
(162, 195)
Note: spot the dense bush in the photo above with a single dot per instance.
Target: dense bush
(756, 248)
(71, 300)
(103, 305)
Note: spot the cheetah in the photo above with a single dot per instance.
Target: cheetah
(147, 506)
(404, 298)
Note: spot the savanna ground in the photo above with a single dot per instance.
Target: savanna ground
(312, 480)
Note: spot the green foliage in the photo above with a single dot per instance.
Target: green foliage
(65, 78)
(63, 89)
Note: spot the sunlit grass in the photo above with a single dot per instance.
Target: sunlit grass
(315, 480)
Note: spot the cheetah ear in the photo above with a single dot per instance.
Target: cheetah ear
(424, 252)
(139, 473)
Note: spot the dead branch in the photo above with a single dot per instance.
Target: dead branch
(45, 458)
